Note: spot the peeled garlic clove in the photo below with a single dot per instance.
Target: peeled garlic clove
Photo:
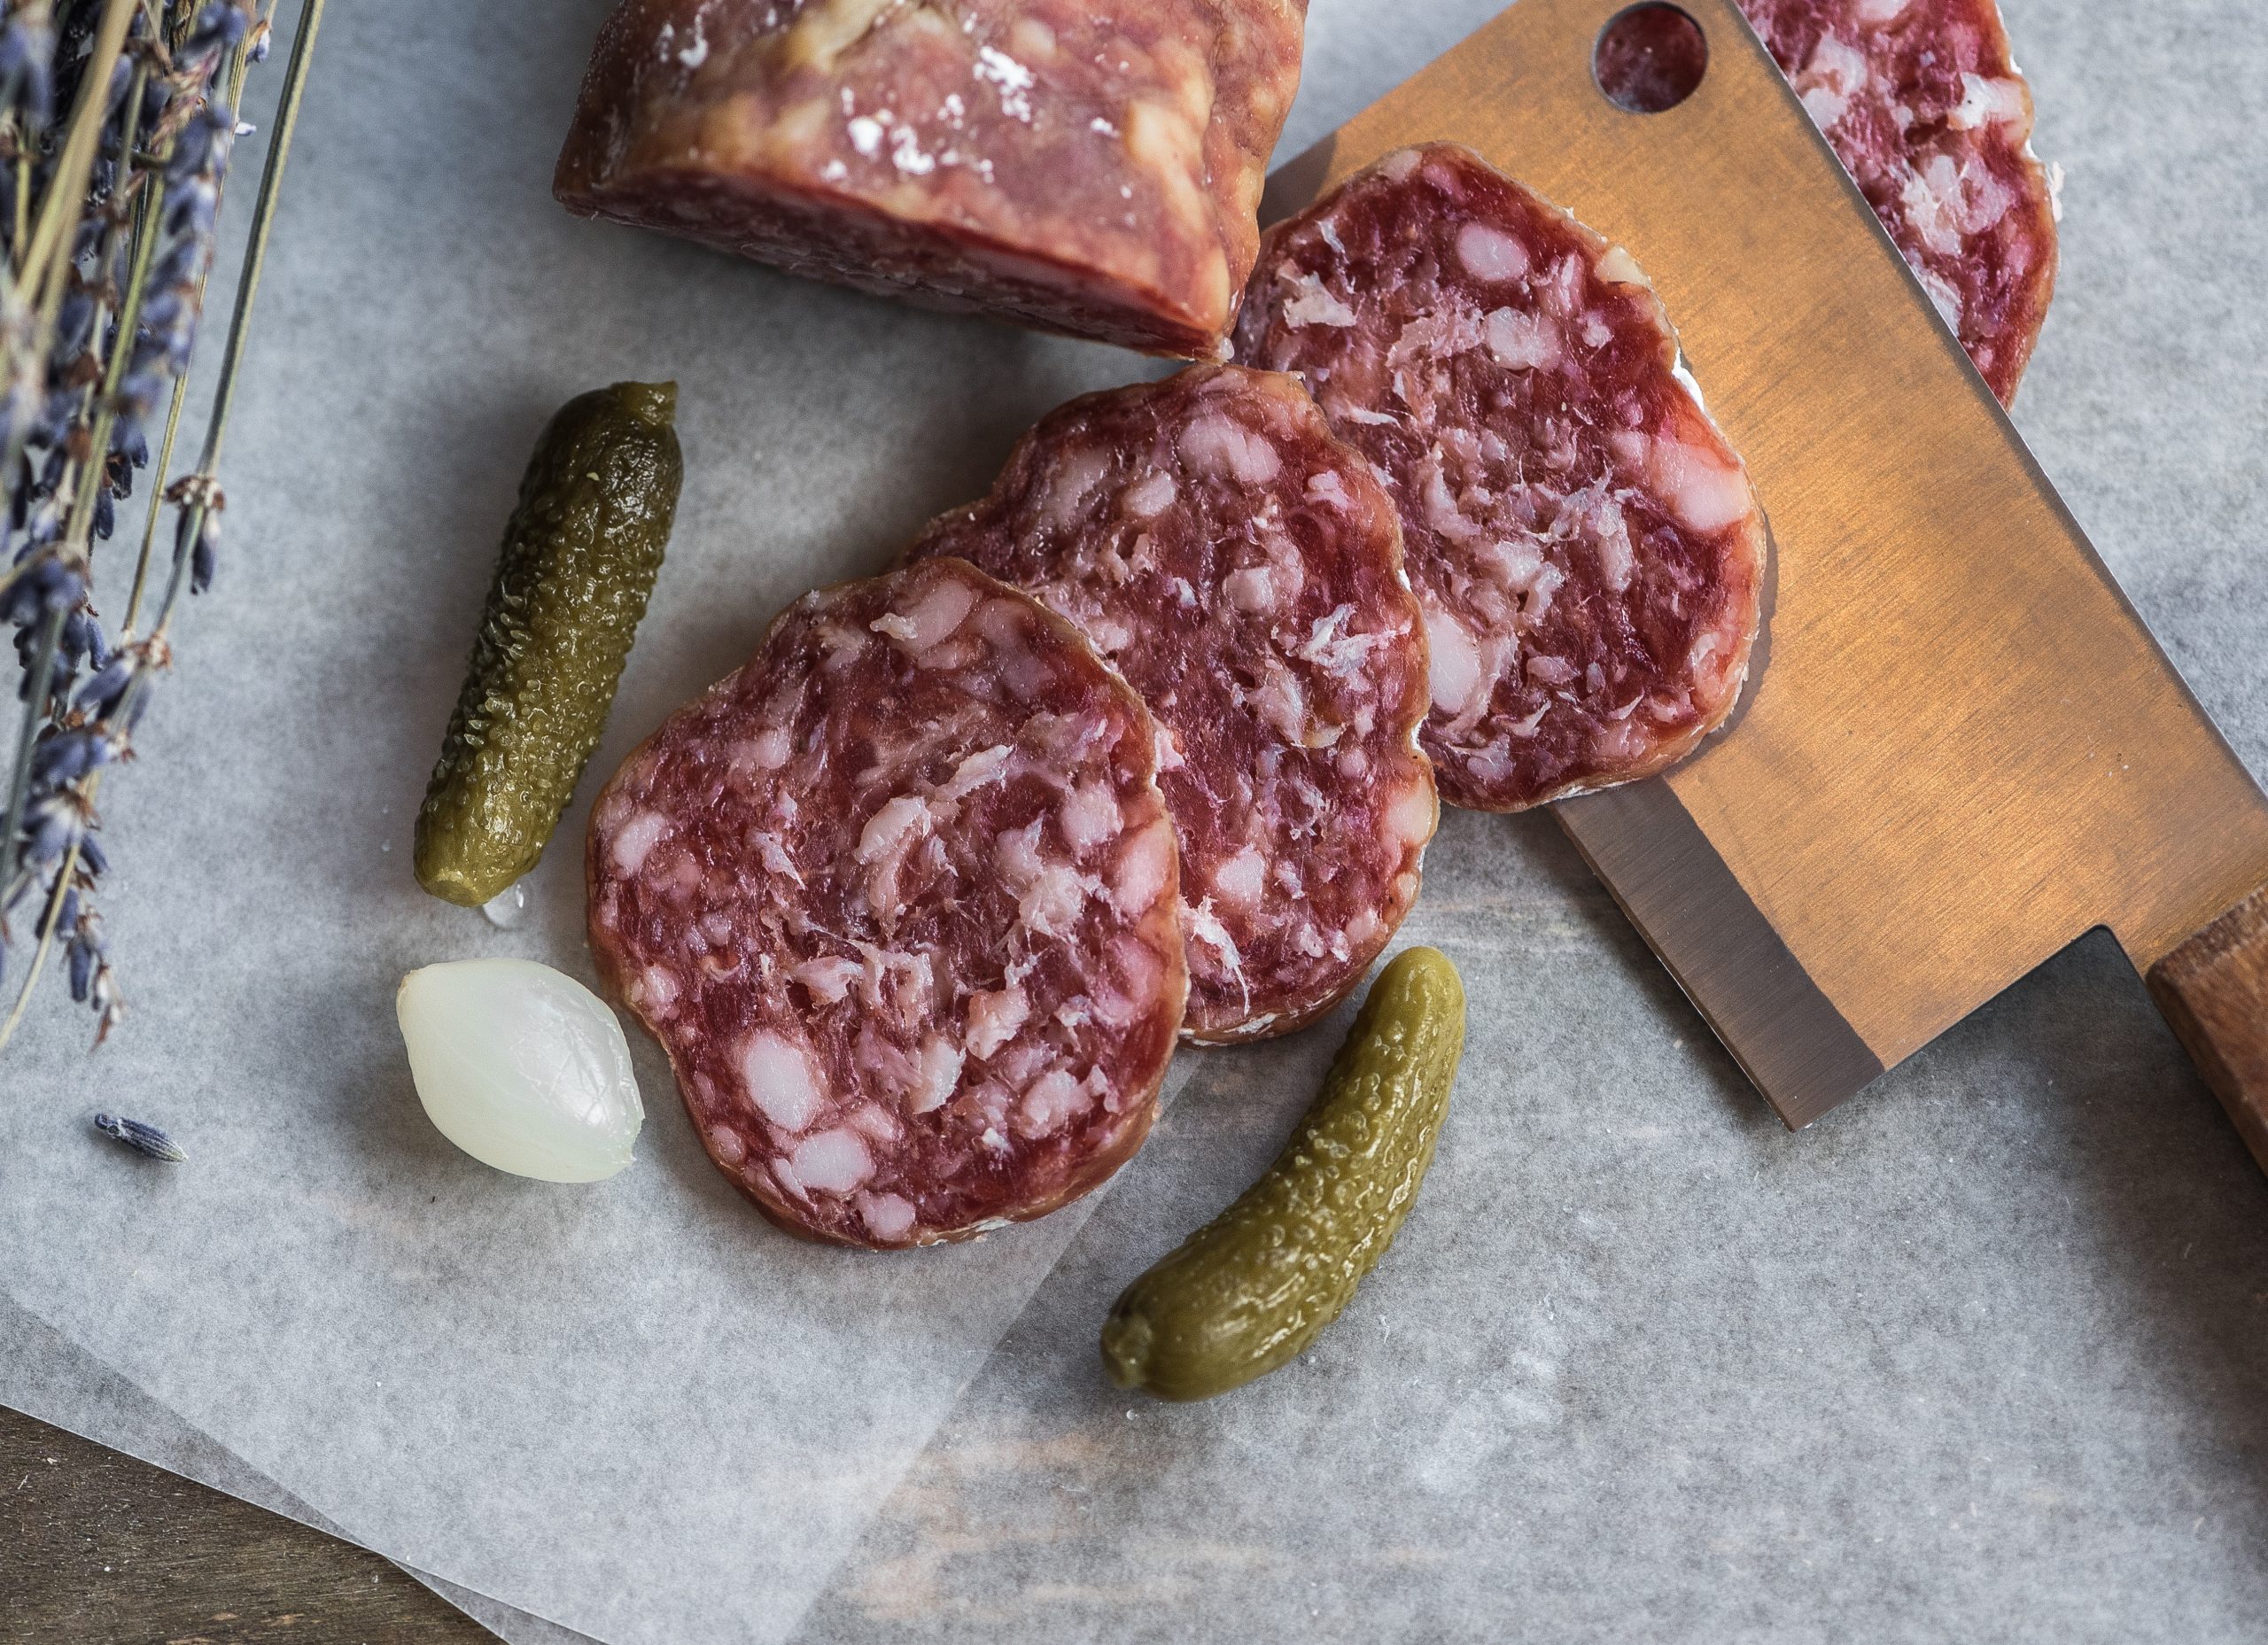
(522, 1066)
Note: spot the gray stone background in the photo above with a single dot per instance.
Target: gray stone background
(1981, 1355)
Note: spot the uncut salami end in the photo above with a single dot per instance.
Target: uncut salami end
(1583, 543)
(899, 898)
(1091, 170)
(1242, 569)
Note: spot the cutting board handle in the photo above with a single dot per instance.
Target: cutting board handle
(2214, 991)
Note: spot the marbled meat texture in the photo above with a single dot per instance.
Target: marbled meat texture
(899, 899)
(1242, 569)
(1091, 170)
(1584, 543)
(1921, 101)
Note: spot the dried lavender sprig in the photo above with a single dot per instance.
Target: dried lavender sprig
(52, 606)
(52, 230)
(147, 1139)
(207, 34)
(118, 692)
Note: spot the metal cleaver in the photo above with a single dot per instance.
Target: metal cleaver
(1962, 750)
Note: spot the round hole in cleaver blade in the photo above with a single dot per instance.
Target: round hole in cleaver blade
(1649, 58)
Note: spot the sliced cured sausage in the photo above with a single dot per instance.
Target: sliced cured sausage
(1242, 569)
(899, 899)
(1092, 170)
(1584, 543)
(1929, 116)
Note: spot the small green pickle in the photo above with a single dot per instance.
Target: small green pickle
(1248, 1291)
(579, 559)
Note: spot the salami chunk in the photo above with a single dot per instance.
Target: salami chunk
(1243, 570)
(1929, 116)
(1091, 170)
(899, 899)
(1584, 543)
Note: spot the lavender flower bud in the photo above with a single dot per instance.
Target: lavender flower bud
(176, 265)
(81, 960)
(53, 824)
(99, 696)
(83, 636)
(142, 1138)
(74, 321)
(218, 26)
(202, 147)
(85, 953)
(66, 757)
(205, 553)
(191, 206)
(163, 308)
(26, 49)
(92, 857)
(48, 586)
(137, 397)
(45, 523)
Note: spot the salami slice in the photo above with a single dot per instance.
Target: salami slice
(1243, 571)
(1091, 170)
(1929, 116)
(899, 899)
(1584, 543)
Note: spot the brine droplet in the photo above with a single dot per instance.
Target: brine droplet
(507, 908)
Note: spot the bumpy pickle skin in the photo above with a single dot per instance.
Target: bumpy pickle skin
(1247, 1293)
(579, 559)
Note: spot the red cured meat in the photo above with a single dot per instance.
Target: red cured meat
(899, 899)
(1584, 543)
(1929, 116)
(1092, 170)
(1651, 59)
(1243, 571)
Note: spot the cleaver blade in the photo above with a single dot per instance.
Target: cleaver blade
(1960, 750)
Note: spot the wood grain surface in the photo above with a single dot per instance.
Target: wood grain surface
(97, 1548)
(2214, 991)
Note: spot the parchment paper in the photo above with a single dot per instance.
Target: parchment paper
(46, 1375)
(1981, 1354)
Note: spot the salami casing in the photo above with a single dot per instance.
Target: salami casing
(1584, 544)
(1929, 116)
(899, 899)
(1242, 569)
(1091, 170)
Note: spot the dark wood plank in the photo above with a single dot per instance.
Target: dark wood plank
(2214, 991)
(97, 1548)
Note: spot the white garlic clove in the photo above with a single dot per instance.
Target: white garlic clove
(522, 1066)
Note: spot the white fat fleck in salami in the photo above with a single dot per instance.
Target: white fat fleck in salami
(918, 966)
(1092, 170)
(1242, 569)
(1583, 543)
(1929, 115)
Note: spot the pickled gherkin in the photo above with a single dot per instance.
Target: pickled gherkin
(1248, 1291)
(579, 559)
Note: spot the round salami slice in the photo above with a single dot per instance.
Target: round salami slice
(1243, 571)
(1584, 543)
(899, 899)
(1921, 101)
